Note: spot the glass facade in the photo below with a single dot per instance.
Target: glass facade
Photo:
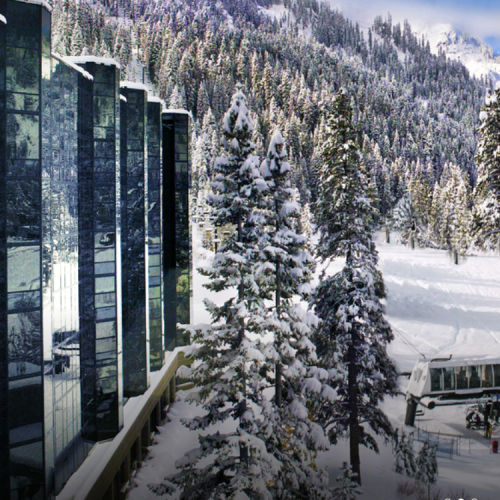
(83, 190)
(24, 51)
(99, 249)
(176, 226)
(134, 250)
(156, 340)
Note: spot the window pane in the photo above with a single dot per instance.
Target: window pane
(104, 330)
(462, 381)
(486, 376)
(25, 343)
(449, 379)
(496, 371)
(105, 299)
(474, 380)
(105, 255)
(23, 70)
(105, 284)
(24, 25)
(105, 268)
(105, 345)
(23, 210)
(23, 136)
(23, 268)
(436, 379)
(104, 111)
(22, 102)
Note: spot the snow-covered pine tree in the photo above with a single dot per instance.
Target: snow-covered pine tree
(450, 212)
(290, 432)
(486, 212)
(348, 488)
(404, 456)
(354, 333)
(228, 360)
(427, 467)
(405, 219)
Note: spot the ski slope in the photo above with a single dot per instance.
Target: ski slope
(436, 308)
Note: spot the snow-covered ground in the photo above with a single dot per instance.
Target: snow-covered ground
(436, 308)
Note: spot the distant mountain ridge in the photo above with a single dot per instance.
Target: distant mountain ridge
(475, 55)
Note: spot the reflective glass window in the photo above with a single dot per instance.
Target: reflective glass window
(23, 416)
(474, 378)
(104, 111)
(105, 313)
(105, 256)
(26, 463)
(105, 299)
(23, 268)
(24, 300)
(104, 74)
(23, 139)
(23, 70)
(104, 89)
(106, 385)
(106, 284)
(107, 329)
(486, 376)
(23, 168)
(105, 268)
(24, 25)
(496, 372)
(461, 377)
(104, 240)
(104, 149)
(22, 102)
(448, 379)
(105, 345)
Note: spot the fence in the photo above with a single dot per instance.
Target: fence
(447, 444)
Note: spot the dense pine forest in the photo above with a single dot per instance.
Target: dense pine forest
(417, 113)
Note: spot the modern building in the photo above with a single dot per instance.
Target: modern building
(177, 258)
(94, 234)
(155, 220)
(134, 248)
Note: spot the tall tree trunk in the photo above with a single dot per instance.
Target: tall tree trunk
(278, 394)
(241, 334)
(353, 409)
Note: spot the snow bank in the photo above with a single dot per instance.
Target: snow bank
(93, 59)
(133, 85)
(65, 60)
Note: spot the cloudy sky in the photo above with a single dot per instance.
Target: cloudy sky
(480, 18)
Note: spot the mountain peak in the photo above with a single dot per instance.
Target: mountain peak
(474, 54)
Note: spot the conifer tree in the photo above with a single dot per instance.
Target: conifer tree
(426, 465)
(348, 488)
(354, 333)
(404, 456)
(227, 376)
(486, 214)
(292, 435)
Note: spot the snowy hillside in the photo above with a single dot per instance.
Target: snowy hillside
(475, 55)
(435, 308)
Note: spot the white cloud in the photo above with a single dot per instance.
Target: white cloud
(477, 20)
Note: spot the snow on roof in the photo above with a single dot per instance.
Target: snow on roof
(133, 85)
(123, 98)
(65, 60)
(176, 111)
(81, 482)
(43, 3)
(93, 59)
(2, 18)
(153, 98)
